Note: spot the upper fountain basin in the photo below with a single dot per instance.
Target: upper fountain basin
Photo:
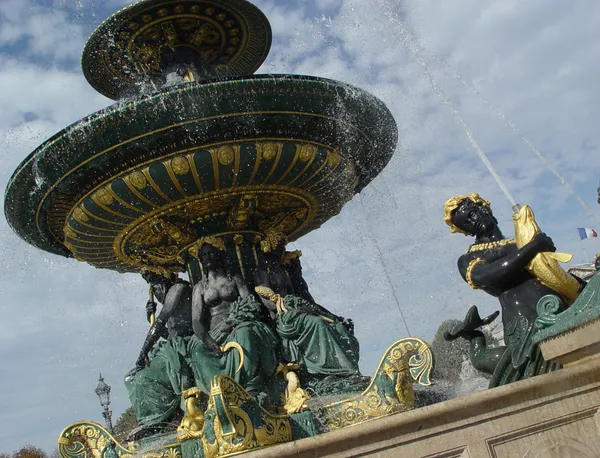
(300, 146)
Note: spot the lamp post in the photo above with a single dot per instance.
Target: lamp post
(103, 392)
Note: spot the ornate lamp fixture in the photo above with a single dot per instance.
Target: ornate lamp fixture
(103, 393)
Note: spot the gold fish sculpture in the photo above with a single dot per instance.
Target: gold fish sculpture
(544, 266)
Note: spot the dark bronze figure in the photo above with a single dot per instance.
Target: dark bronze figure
(227, 316)
(495, 265)
(162, 371)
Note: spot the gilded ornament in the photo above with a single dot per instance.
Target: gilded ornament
(234, 423)
(333, 159)
(234, 345)
(307, 152)
(179, 9)
(180, 165)
(89, 440)
(489, 245)
(289, 256)
(238, 239)
(80, 215)
(271, 240)
(269, 151)
(294, 398)
(225, 154)
(162, 12)
(104, 197)
(70, 232)
(159, 270)
(469, 274)
(407, 361)
(217, 242)
(191, 425)
(269, 294)
(138, 179)
(146, 17)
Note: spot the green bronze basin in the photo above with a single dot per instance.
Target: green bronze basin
(137, 183)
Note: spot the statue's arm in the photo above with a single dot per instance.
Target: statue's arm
(159, 328)
(242, 286)
(199, 315)
(480, 273)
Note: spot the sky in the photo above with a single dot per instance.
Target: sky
(387, 261)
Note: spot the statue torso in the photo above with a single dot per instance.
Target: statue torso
(518, 293)
(218, 293)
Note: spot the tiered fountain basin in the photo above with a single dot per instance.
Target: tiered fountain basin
(136, 46)
(136, 184)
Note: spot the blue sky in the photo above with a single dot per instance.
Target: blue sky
(62, 322)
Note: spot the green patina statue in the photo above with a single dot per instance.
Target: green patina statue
(225, 314)
(322, 343)
(162, 371)
(499, 267)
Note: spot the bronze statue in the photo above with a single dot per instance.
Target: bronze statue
(311, 336)
(162, 371)
(225, 313)
(497, 266)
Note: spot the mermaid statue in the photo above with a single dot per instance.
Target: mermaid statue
(500, 267)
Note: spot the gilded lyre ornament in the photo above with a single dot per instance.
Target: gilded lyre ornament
(407, 361)
(235, 423)
(87, 439)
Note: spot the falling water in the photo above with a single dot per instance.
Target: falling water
(418, 51)
(413, 49)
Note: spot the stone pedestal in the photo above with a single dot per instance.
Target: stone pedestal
(555, 415)
(552, 415)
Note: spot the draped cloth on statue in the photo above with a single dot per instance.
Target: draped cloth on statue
(182, 362)
(321, 345)
(260, 345)
(155, 391)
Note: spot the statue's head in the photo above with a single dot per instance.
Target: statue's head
(469, 215)
(159, 279)
(292, 259)
(210, 252)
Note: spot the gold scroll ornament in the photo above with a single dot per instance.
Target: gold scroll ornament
(544, 266)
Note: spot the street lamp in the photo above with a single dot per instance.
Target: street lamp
(103, 393)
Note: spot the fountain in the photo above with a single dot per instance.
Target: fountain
(203, 169)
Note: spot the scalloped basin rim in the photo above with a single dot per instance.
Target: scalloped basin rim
(317, 109)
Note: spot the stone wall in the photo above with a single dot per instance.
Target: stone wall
(552, 415)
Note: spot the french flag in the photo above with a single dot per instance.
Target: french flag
(586, 232)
